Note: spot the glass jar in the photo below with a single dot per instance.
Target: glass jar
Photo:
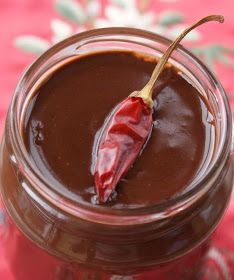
(48, 235)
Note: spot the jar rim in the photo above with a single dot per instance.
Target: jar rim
(104, 215)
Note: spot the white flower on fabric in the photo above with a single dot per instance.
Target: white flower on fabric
(61, 30)
(130, 17)
(125, 13)
(93, 9)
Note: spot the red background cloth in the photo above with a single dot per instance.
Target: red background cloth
(18, 17)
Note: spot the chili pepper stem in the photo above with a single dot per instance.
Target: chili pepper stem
(147, 92)
(129, 128)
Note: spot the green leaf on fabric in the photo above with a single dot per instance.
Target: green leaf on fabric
(226, 61)
(2, 218)
(71, 10)
(121, 3)
(170, 18)
(31, 44)
(215, 53)
(210, 61)
(208, 54)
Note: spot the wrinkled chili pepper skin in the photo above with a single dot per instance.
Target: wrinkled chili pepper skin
(121, 141)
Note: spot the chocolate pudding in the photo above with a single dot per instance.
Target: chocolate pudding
(67, 111)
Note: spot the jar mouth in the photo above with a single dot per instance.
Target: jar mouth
(39, 186)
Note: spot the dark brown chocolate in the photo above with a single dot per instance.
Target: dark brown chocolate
(67, 111)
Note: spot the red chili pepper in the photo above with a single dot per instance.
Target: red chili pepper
(121, 142)
(129, 127)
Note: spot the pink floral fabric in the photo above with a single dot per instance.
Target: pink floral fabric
(19, 17)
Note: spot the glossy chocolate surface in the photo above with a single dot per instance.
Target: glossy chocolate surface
(68, 109)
